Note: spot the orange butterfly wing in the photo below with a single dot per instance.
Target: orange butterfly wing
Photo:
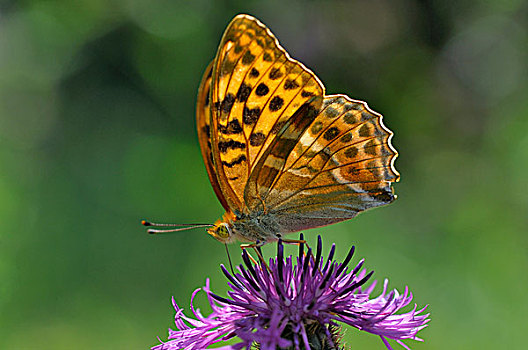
(341, 164)
(203, 123)
(256, 88)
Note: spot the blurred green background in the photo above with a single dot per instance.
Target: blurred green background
(97, 104)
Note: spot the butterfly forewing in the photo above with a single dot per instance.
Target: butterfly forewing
(203, 123)
(256, 88)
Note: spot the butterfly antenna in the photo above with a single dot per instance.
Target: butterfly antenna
(181, 227)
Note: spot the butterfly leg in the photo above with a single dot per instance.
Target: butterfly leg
(257, 244)
(295, 242)
(264, 209)
(301, 242)
(256, 247)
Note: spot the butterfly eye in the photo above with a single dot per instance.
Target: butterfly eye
(220, 231)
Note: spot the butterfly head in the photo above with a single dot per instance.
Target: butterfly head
(222, 229)
(221, 232)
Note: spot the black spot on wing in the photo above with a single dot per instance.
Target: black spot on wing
(346, 138)
(248, 58)
(305, 93)
(370, 148)
(227, 67)
(331, 112)
(351, 152)
(275, 73)
(290, 84)
(250, 115)
(233, 127)
(316, 127)
(267, 57)
(236, 161)
(384, 196)
(352, 170)
(276, 103)
(227, 103)
(243, 92)
(223, 146)
(262, 89)
(331, 133)
(350, 118)
(347, 107)
(257, 139)
(364, 131)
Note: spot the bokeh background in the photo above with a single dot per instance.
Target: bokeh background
(97, 131)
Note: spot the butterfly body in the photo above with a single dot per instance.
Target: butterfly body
(281, 155)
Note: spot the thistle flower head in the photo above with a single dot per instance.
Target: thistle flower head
(296, 304)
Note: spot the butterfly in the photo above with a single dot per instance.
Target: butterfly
(281, 155)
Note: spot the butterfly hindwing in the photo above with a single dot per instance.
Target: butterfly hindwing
(256, 89)
(340, 165)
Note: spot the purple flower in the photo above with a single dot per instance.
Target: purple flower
(296, 305)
